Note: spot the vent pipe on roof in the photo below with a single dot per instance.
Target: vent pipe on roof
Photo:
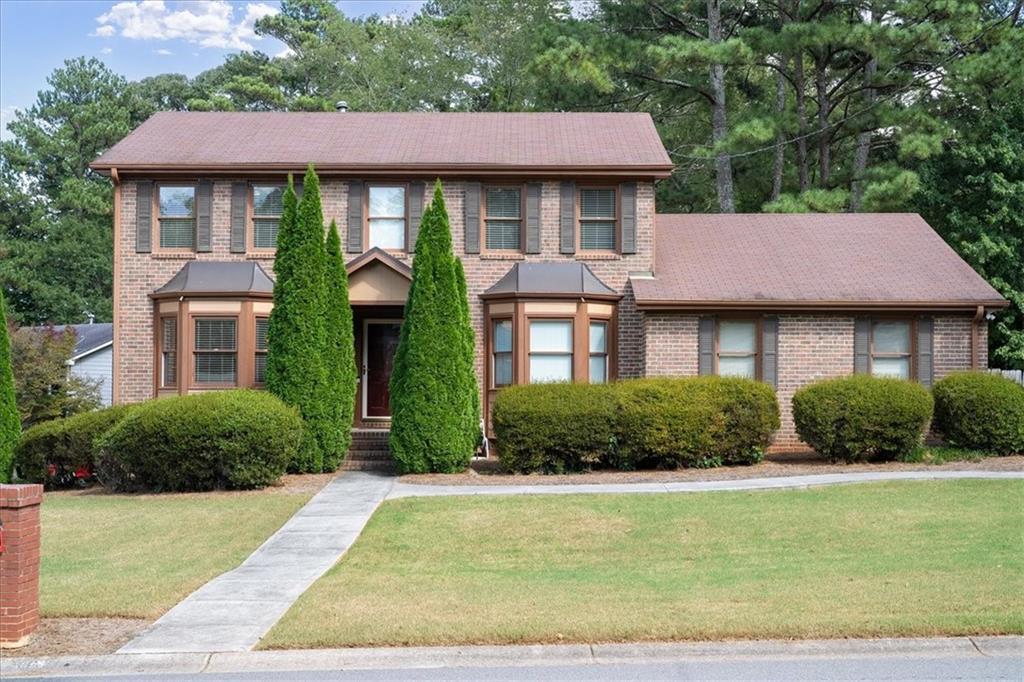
(341, 106)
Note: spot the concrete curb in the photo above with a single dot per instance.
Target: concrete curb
(507, 656)
(400, 490)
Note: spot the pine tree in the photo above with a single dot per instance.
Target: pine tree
(339, 358)
(433, 387)
(296, 337)
(10, 424)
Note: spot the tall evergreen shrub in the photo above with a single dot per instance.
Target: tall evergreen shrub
(10, 423)
(434, 402)
(296, 337)
(339, 356)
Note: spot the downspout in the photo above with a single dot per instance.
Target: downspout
(979, 315)
(114, 370)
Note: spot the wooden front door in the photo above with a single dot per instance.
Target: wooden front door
(380, 341)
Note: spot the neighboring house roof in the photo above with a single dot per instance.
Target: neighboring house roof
(89, 338)
(202, 277)
(569, 279)
(386, 142)
(787, 261)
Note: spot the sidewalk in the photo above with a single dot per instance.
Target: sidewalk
(233, 611)
(509, 656)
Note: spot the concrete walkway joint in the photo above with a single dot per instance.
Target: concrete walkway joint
(235, 610)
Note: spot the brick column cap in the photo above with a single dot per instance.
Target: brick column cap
(20, 495)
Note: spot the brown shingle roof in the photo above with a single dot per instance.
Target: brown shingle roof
(808, 260)
(429, 142)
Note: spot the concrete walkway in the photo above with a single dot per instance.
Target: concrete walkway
(426, 490)
(233, 611)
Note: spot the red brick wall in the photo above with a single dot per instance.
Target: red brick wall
(811, 347)
(19, 563)
(142, 273)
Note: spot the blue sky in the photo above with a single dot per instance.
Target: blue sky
(135, 38)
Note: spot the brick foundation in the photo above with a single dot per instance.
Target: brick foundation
(19, 563)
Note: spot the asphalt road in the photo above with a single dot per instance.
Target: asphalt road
(774, 668)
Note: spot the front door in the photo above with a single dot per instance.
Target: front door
(380, 341)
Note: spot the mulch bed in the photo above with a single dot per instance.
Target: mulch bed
(290, 484)
(774, 465)
(78, 637)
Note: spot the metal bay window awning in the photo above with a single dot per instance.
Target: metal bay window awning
(551, 280)
(218, 278)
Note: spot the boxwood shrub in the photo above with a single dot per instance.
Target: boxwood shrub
(862, 418)
(207, 441)
(980, 411)
(698, 421)
(66, 443)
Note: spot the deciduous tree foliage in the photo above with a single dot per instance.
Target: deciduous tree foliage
(434, 394)
(44, 389)
(10, 425)
(340, 355)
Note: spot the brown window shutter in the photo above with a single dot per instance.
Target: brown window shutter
(204, 216)
(415, 213)
(627, 192)
(471, 214)
(533, 217)
(143, 216)
(861, 345)
(925, 351)
(567, 218)
(706, 346)
(770, 351)
(239, 198)
(354, 239)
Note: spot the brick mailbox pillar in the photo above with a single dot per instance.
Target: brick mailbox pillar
(19, 563)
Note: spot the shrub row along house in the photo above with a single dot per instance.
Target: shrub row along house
(572, 275)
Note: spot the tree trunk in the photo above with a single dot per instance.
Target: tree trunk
(719, 128)
(824, 138)
(860, 156)
(778, 163)
(802, 160)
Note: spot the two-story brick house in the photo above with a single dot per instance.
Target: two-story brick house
(571, 274)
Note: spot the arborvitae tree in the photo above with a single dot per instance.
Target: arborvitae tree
(10, 424)
(340, 355)
(433, 388)
(296, 336)
(470, 353)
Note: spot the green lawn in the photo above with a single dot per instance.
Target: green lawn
(137, 556)
(906, 558)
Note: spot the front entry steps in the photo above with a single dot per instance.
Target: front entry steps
(369, 451)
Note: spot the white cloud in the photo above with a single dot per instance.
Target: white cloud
(106, 50)
(285, 53)
(7, 115)
(208, 23)
(163, 51)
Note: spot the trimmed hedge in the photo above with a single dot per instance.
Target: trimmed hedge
(862, 418)
(980, 411)
(692, 422)
(68, 442)
(10, 422)
(208, 441)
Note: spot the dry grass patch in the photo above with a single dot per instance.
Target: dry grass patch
(905, 558)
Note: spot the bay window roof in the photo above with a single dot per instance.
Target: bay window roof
(550, 280)
(210, 278)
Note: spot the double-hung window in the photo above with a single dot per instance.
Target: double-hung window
(598, 219)
(215, 357)
(168, 352)
(503, 218)
(386, 217)
(259, 375)
(266, 215)
(737, 348)
(598, 352)
(501, 351)
(891, 348)
(177, 216)
(550, 350)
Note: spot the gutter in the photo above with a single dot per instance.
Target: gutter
(818, 306)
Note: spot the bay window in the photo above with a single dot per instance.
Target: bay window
(260, 350)
(598, 352)
(501, 353)
(215, 354)
(550, 351)
(168, 352)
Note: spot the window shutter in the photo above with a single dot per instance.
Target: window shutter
(627, 191)
(567, 218)
(239, 197)
(861, 345)
(354, 239)
(204, 216)
(706, 346)
(143, 216)
(415, 213)
(770, 351)
(471, 206)
(925, 365)
(533, 217)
